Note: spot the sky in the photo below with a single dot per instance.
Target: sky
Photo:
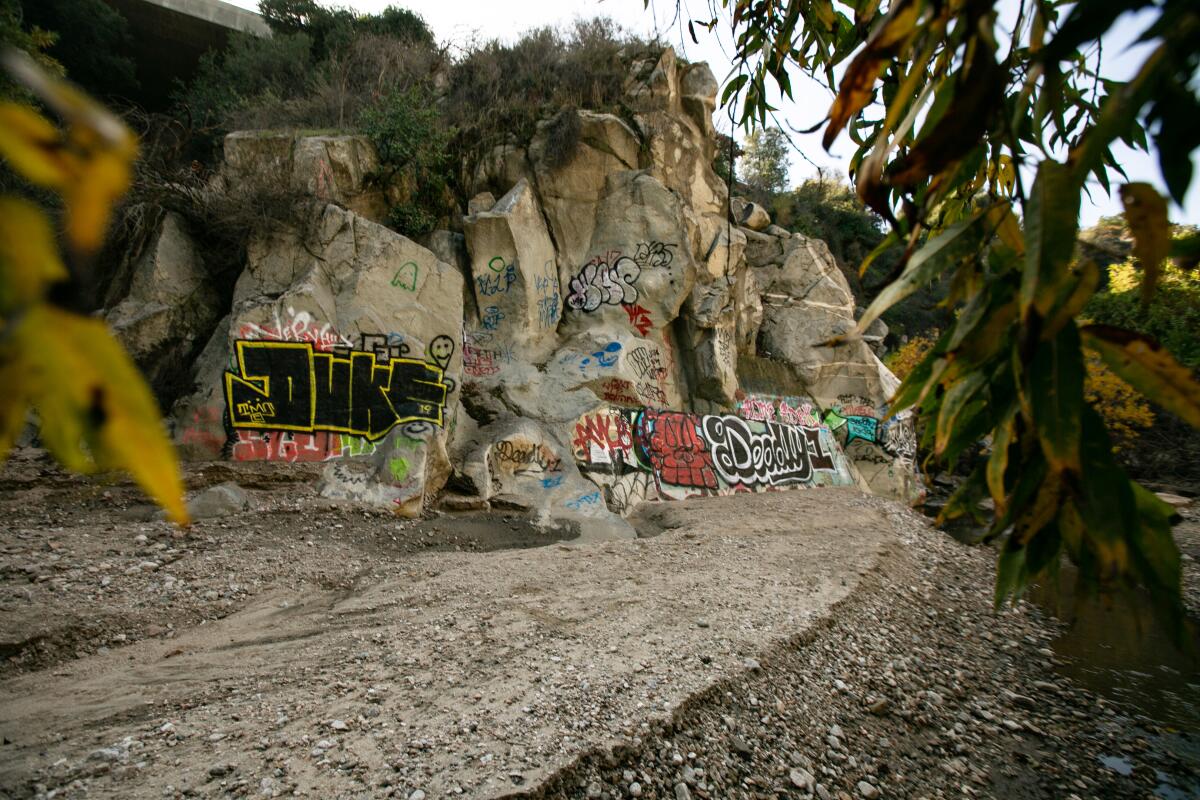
(459, 22)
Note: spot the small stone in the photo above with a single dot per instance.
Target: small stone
(701, 623)
(868, 791)
(418, 794)
(635, 789)
(751, 664)
(682, 792)
(220, 770)
(739, 746)
(339, 725)
(879, 707)
(594, 790)
(803, 779)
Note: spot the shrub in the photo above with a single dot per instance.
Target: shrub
(908, 355)
(413, 148)
(1125, 411)
(498, 92)
(1173, 318)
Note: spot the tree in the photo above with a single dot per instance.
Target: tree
(91, 41)
(765, 162)
(952, 112)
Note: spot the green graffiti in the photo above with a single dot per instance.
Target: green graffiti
(398, 467)
(834, 420)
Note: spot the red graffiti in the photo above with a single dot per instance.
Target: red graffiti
(639, 318)
(479, 362)
(301, 329)
(286, 446)
(203, 432)
(673, 445)
(798, 416)
(606, 431)
(758, 408)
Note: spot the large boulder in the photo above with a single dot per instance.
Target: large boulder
(170, 308)
(808, 322)
(514, 272)
(572, 168)
(343, 342)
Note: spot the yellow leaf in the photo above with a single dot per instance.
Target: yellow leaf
(90, 200)
(1148, 367)
(32, 146)
(94, 406)
(29, 260)
(1146, 213)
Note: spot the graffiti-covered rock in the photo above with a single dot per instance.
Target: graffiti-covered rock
(588, 342)
(571, 184)
(645, 455)
(640, 264)
(514, 272)
(344, 343)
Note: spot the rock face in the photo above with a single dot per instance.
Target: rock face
(608, 332)
(334, 169)
(170, 306)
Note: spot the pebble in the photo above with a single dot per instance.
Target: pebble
(417, 794)
(682, 792)
(868, 791)
(802, 779)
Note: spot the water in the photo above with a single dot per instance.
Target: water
(1116, 647)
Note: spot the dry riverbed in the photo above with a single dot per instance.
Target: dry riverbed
(808, 643)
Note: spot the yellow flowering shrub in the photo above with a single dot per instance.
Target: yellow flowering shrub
(911, 353)
(1125, 411)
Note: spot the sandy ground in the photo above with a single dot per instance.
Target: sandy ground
(794, 644)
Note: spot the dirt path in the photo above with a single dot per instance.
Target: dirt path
(797, 644)
(355, 670)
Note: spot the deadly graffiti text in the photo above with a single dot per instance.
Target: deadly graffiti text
(686, 454)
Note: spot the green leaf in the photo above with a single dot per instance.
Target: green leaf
(959, 241)
(955, 406)
(1056, 398)
(1051, 221)
(1010, 567)
(733, 87)
(1144, 364)
(1105, 498)
(997, 464)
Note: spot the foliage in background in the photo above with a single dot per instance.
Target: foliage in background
(92, 42)
(1125, 412)
(383, 75)
(94, 408)
(764, 165)
(17, 34)
(905, 358)
(410, 140)
(946, 108)
(1173, 319)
